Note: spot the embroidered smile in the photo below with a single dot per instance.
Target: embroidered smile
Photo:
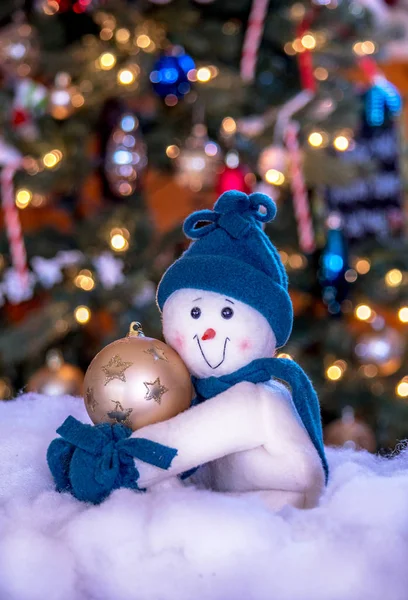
(204, 356)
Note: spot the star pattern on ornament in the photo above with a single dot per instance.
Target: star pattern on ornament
(156, 353)
(115, 369)
(90, 399)
(120, 414)
(155, 390)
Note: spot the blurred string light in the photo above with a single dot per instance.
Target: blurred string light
(122, 35)
(77, 100)
(50, 7)
(203, 74)
(212, 149)
(364, 48)
(82, 314)
(51, 159)
(362, 266)
(393, 278)
(84, 280)
(228, 126)
(341, 143)
(284, 355)
(363, 312)
(23, 198)
(298, 46)
(30, 165)
(106, 61)
(308, 41)
(370, 371)
(232, 159)
(297, 11)
(231, 27)
(38, 200)
(105, 19)
(402, 388)
(297, 261)
(334, 372)
(403, 314)
(149, 36)
(143, 41)
(119, 239)
(106, 34)
(172, 151)
(321, 73)
(289, 49)
(315, 139)
(274, 177)
(128, 75)
(171, 100)
(318, 139)
(284, 256)
(350, 275)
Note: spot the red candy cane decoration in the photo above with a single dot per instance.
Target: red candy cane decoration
(300, 197)
(13, 225)
(305, 58)
(252, 39)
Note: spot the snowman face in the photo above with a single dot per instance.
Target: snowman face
(214, 334)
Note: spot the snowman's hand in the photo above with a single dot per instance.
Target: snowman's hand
(228, 423)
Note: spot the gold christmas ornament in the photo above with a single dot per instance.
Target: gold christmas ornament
(136, 381)
(347, 432)
(57, 377)
(198, 161)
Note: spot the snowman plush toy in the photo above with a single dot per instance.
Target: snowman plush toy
(255, 426)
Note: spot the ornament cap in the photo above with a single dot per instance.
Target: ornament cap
(135, 330)
(54, 360)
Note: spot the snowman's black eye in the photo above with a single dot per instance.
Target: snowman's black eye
(196, 312)
(227, 312)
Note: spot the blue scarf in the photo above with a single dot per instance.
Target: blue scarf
(262, 370)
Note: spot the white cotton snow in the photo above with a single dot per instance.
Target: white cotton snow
(186, 544)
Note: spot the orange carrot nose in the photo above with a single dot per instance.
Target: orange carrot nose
(209, 334)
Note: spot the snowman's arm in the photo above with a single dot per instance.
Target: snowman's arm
(228, 423)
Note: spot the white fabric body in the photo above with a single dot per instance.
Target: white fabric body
(250, 437)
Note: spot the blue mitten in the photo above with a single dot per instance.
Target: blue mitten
(91, 461)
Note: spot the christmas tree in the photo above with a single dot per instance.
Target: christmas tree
(118, 119)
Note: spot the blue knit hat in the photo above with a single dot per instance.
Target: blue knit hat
(232, 255)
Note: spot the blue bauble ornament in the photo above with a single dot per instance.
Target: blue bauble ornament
(169, 75)
(333, 268)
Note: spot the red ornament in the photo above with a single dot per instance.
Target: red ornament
(233, 179)
(78, 6)
(19, 117)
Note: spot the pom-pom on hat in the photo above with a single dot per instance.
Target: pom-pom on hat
(232, 255)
